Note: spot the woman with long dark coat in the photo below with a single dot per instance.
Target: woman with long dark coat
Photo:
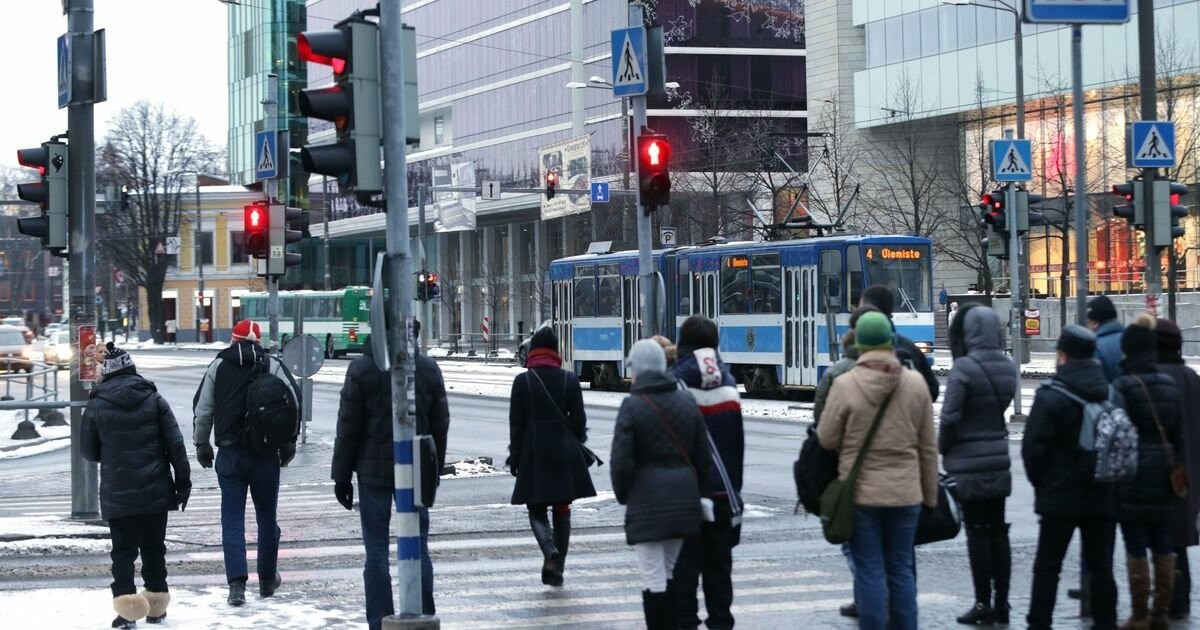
(547, 426)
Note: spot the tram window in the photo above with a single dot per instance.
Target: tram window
(711, 306)
(854, 273)
(585, 291)
(610, 291)
(682, 286)
(766, 283)
(735, 285)
(830, 286)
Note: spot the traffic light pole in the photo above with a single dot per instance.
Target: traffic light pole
(1014, 272)
(271, 187)
(645, 238)
(1081, 199)
(81, 224)
(1149, 103)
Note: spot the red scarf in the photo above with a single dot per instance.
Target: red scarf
(543, 357)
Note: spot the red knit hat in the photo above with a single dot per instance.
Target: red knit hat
(247, 330)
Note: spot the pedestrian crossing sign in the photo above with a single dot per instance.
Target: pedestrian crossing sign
(629, 61)
(1150, 144)
(266, 163)
(1012, 160)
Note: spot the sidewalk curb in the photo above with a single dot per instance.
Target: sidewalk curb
(34, 442)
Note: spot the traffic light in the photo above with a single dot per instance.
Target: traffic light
(551, 183)
(1168, 211)
(1027, 212)
(256, 231)
(279, 217)
(1133, 210)
(352, 104)
(654, 171)
(422, 286)
(432, 289)
(50, 194)
(993, 210)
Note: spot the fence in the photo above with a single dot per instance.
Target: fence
(37, 389)
(478, 344)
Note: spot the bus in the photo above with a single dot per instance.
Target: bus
(340, 320)
(781, 306)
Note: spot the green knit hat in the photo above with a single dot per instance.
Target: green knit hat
(873, 332)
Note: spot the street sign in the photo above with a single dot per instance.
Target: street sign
(303, 355)
(600, 192)
(64, 70)
(173, 245)
(666, 236)
(1011, 160)
(629, 61)
(265, 155)
(1150, 144)
(1077, 11)
(491, 190)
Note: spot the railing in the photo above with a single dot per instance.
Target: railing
(36, 389)
(472, 344)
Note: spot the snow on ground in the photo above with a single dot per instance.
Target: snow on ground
(190, 609)
(21, 527)
(54, 546)
(49, 441)
(473, 468)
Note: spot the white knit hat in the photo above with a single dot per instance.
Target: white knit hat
(646, 357)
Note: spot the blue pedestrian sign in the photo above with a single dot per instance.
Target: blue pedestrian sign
(600, 192)
(1077, 11)
(64, 70)
(629, 61)
(1151, 144)
(266, 164)
(1012, 160)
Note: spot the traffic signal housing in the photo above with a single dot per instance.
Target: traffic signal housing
(433, 290)
(279, 258)
(422, 286)
(50, 193)
(993, 210)
(256, 230)
(1027, 211)
(654, 171)
(1133, 210)
(352, 104)
(1168, 211)
(551, 183)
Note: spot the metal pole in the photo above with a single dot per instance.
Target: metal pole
(1149, 102)
(425, 307)
(1018, 45)
(325, 200)
(200, 261)
(271, 187)
(627, 128)
(400, 295)
(645, 242)
(1014, 271)
(81, 197)
(1081, 200)
(578, 111)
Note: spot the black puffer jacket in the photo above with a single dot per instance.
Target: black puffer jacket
(1062, 484)
(973, 437)
(364, 425)
(1183, 529)
(129, 429)
(650, 473)
(1148, 497)
(543, 447)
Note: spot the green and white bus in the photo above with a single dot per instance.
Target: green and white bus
(340, 320)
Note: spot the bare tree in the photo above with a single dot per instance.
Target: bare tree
(960, 237)
(452, 297)
(495, 294)
(146, 149)
(836, 167)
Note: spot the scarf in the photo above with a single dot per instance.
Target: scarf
(543, 357)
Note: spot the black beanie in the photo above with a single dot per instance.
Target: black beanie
(1169, 341)
(544, 337)
(699, 331)
(1100, 309)
(1077, 342)
(1139, 338)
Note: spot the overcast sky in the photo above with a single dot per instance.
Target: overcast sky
(170, 51)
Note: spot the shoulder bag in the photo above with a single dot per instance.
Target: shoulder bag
(837, 502)
(589, 456)
(1178, 475)
(706, 505)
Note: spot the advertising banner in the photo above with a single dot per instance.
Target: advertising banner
(1033, 323)
(87, 353)
(455, 211)
(572, 161)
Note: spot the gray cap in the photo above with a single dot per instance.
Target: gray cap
(1077, 342)
(645, 357)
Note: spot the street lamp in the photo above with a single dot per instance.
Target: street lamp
(1001, 5)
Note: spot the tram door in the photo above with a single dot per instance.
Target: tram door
(631, 312)
(800, 326)
(704, 292)
(561, 296)
(808, 325)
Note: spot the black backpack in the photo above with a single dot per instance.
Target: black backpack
(813, 471)
(272, 416)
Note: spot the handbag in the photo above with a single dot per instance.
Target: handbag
(589, 456)
(837, 502)
(1178, 475)
(944, 521)
(707, 510)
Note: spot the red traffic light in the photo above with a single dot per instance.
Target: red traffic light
(256, 226)
(656, 152)
(309, 43)
(995, 202)
(433, 277)
(37, 157)
(551, 178)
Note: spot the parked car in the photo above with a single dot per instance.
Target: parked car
(523, 350)
(57, 351)
(16, 322)
(15, 352)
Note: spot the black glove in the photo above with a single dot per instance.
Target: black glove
(182, 493)
(204, 455)
(286, 453)
(344, 491)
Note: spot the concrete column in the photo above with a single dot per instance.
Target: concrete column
(514, 294)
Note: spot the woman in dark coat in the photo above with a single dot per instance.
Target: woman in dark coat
(660, 469)
(547, 425)
(1183, 520)
(973, 440)
(1145, 504)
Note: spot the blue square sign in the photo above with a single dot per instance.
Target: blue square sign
(600, 192)
(1012, 160)
(1077, 11)
(629, 61)
(266, 164)
(1151, 144)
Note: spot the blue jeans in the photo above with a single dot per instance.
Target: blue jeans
(238, 470)
(885, 582)
(375, 513)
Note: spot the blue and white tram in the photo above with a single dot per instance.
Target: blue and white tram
(774, 302)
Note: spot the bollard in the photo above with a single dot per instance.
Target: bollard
(25, 431)
(53, 418)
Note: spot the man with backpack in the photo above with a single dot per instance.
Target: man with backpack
(248, 402)
(1067, 494)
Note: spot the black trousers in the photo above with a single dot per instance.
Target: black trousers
(1054, 536)
(145, 534)
(709, 555)
(986, 512)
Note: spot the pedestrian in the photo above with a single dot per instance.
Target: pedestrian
(898, 474)
(1186, 509)
(547, 429)
(660, 470)
(973, 440)
(943, 297)
(1145, 504)
(951, 315)
(909, 355)
(708, 555)
(221, 414)
(669, 349)
(129, 429)
(1102, 319)
(364, 446)
(1066, 494)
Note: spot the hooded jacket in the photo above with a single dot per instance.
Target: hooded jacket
(129, 429)
(843, 365)
(973, 436)
(1063, 484)
(220, 402)
(1188, 402)
(900, 467)
(1148, 497)
(717, 397)
(1108, 348)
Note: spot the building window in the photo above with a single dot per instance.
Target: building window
(206, 248)
(439, 130)
(237, 248)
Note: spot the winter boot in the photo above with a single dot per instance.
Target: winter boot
(1139, 593)
(267, 589)
(237, 592)
(1001, 572)
(1181, 599)
(540, 524)
(659, 613)
(129, 609)
(1164, 584)
(979, 552)
(562, 538)
(158, 605)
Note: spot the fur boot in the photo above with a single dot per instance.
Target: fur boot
(129, 609)
(158, 606)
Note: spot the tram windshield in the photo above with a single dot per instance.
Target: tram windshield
(905, 270)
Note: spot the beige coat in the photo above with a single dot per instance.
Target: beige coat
(901, 465)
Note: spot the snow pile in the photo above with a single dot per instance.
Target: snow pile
(50, 436)
(473, 468)
(54, 546)
(33, 526)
